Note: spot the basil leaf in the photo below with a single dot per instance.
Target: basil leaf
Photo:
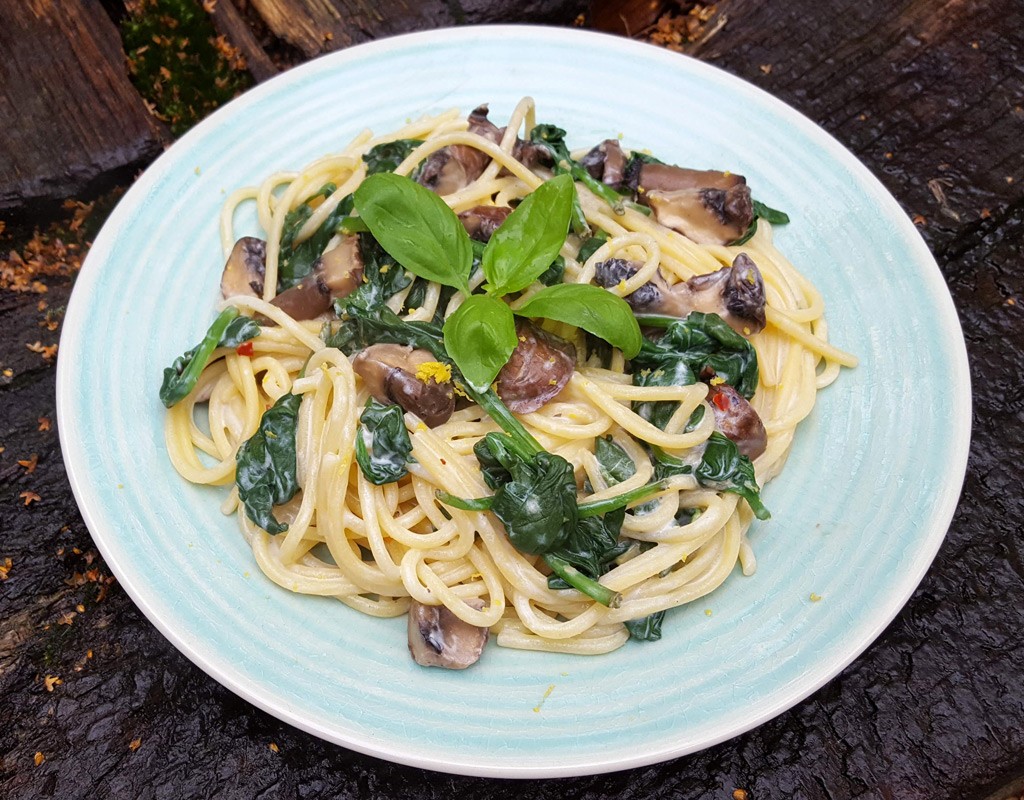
(387, 156)
(228, 330)
(383, 446)
(416, 228)
(266, 464)
(526, 243)
(479, 337)
(592, 308)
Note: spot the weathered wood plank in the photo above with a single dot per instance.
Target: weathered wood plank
(318, 26)
(229, 22)
(70, 115)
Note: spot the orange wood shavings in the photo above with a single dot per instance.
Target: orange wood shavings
(50, 681)
(29, 463)
(30, 497)
(135, 744)
(274, 747)
(39, 758)
(44, 423)
(48, 352)
(5, 569)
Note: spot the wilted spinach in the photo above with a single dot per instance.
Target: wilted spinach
(387, 156)
(228, 330)
(296, 260)
(646, 629)
(266, 464)
(722, 468)
(768, 214)
(383, 446)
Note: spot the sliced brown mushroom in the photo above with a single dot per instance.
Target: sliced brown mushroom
(737, 419)
(538, 369)
(438, 638)
(455, 167)
(735, 293)
(335, 274)
(708, 206)
(606, 162)
(245, 268)
(389, 371)
(482, 221)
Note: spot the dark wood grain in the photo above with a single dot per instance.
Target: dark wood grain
(71, 118)
(318, 26)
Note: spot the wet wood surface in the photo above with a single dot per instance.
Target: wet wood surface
(96, 703)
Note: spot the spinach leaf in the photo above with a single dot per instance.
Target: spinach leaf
(383, 446)
(496, 456)
(382, 277)
(554, 273)
(228, 330)
(592, 546)
(591, 246)
(592, 308)
(538, 505)
(479, 337)
(703, 342)
(616, 465)
(672, 372)
(362, 325)
(526, 243)
(266, 464)
(417, 228)
(387, 156)
(768, 214)
(646, 629)
(296, 261)
(722, 468)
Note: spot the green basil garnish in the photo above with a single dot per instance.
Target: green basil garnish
(416, 228)
(480, 336)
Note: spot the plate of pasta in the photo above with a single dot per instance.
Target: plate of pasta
(527, 418)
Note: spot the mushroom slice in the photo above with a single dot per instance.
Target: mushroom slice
(735, 293)
(438, 638)
(606, 162)
(737, 419)
(538, 369)
(245, 268)
(336, 273)
(481, 222)
(455, 167)
(708, 206)
(390, 373)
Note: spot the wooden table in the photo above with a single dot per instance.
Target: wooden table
(96, 703)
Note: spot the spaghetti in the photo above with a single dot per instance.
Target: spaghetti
(381, 548)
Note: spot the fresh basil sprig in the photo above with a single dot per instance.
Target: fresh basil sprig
(592, 308)
(480, 337)
(417, 228)
(526, 243)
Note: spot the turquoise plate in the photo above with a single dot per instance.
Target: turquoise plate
(858, 514)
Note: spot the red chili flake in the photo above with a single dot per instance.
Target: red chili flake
(244, 349)
(721, 401)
